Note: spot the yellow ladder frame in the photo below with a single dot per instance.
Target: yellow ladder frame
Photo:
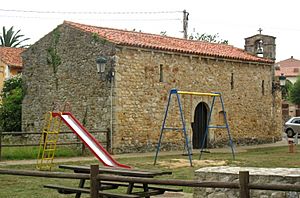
(48, 142)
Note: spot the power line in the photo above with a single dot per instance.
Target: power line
(39, 15)
(88, 12)
(99, 19)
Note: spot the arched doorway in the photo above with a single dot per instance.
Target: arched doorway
(199, 125)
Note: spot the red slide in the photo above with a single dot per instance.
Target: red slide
(89, 140)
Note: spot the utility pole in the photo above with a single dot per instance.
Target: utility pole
(185, 24)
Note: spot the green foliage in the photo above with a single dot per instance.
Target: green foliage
(295, 92)
(286, 91)
(163, 33)
(11, 107)
(208, 38)
(97, 39)
(11, 38)
(53, 58)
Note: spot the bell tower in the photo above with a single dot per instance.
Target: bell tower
(261, 45)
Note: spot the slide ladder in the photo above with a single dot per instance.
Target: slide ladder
(90, 141)
(48, 142)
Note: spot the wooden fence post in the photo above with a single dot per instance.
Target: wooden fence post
(94, 191)
(0, 145)
(244, 181)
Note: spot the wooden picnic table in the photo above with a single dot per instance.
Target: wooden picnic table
(118, 171)
(147, 190)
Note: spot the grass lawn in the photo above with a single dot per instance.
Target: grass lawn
(16, 186)
(30, 152)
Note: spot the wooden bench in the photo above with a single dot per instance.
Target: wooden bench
(153, 190)
(146, 191)
(71, 190)
(114, 171)
(141, 186)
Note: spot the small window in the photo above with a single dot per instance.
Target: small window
(161, 73)
(231, 82)
(263, 87)
(7, 72)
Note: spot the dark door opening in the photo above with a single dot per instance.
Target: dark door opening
(199, 126)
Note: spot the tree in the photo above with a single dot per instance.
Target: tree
(163, 33)
(295, 92)
(11, 38)
(11, 107)
(208, 38)
(286, 90)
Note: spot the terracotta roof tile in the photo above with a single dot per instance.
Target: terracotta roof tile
(11, 56)
(288, 72)
(289, 67)
(153, 41)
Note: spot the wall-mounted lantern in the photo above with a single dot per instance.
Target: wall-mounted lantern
(282, 80)
(101, 67)
(101, 62)
(280, 85)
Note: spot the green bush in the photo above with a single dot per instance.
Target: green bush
(11, 107)
(295, 92)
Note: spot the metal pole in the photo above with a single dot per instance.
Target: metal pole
(111, 114)
(163, 125)
(207, 127)
(227, 126)
(108, 141)
(185, 24)
(184, 130)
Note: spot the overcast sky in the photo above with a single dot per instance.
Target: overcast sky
(234, 20)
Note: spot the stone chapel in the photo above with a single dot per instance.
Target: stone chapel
(120, 80)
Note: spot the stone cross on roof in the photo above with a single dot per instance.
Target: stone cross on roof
(260, 30)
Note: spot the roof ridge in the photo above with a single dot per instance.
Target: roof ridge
(289, 60)
(145, 33)
(160, 42)
(115, 29)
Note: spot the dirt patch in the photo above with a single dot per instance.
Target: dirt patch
(179, 163)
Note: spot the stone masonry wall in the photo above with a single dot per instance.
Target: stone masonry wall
(257, 175)
(141, 98)
(75, 80)
(143, 79)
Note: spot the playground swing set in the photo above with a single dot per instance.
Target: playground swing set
(187, 146)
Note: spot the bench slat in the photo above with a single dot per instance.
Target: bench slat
(68, 190)
(149, 193)
(141, 186)
(118, 171)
